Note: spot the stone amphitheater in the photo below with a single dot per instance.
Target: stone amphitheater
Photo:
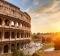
(15, 27)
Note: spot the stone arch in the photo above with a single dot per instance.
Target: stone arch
(17, 24)
(18, 34)
(6, 35)
(0, 49)
(18, 46)
(12, 23)
(0, 34)
(13, 35)
(7, 22)
(27, 35)
(21, 25)
(6, 49)
(0, 21)
(21, 45)
(21, 34)
(12, 47)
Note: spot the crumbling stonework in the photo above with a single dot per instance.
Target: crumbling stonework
(15, 27)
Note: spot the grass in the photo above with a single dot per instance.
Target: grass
(46, 46)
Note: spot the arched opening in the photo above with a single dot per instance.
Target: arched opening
(12, 23)
(18, 46)
(18, 34)
(0, 21)
(6, 35)
(12, 35)
(21, 25)
(0, 49)
(0, 35)
(7, 22)
(12, 47)
(17, 24)
(6, 49)
(21, 35)
(21, 45)
(27, 35)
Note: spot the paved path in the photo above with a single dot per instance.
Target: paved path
(32, 49)
(49, 49)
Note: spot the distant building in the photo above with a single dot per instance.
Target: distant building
(15, 27)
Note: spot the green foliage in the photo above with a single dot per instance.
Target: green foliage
(22, 53)
(46, 46)
(15, 52)
(36, 54)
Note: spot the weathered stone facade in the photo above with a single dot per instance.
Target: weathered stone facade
(15, 27)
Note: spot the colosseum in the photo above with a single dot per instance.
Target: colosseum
(15, 27)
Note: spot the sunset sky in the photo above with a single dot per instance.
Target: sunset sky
(45, 14)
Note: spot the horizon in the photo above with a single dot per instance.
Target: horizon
(45, 15)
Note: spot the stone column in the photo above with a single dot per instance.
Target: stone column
(15, 24)
(10, 35)
(20, 35)
(10, 23)
(15, 35)
(2, 49)
(24, 45)
(26, 35)
(2, 35)
(9, 50)
(3, 23)
(20, 46)
(15, 45)
(23, 34)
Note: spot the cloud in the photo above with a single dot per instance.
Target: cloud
(24, 1)
(36, 2)
(28, 9)
(48, 20)
(50, 7)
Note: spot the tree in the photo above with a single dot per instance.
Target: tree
(22, 53)
(35, 54)
(15, 52)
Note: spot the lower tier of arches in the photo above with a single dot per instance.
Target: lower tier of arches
(6, 47)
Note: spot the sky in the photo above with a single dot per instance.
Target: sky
(45, 14)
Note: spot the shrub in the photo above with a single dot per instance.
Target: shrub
(15, 52)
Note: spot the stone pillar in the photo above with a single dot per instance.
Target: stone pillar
(2, 35)
(26, 35)
(2, 49)
(3, 23)
(10, 23)
(10, 35)
(20, 46)
(23, 34)
(15, 45)
(20, 35)
(15, 35)
(9, 50)
(15, 24)
(24, 46)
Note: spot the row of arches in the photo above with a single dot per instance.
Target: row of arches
(14, 23)
(8, 34)
(9, 47)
